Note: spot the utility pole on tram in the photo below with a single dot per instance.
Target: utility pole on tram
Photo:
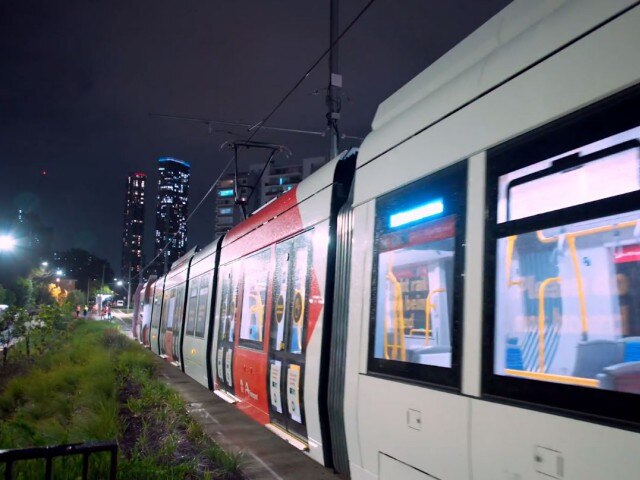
(333, 98)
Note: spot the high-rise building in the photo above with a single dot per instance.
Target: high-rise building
(279, 179)
(172, 210)
(282, 178)
(228, 213)
(133, 230)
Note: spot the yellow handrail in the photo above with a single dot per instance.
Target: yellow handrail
(398, 321)
(511, 241)
(581, 297)
(541, 320)
(588, 231)
(550, 377)
(427, 311)
(571, 241)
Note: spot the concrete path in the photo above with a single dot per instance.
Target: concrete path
(266, 456)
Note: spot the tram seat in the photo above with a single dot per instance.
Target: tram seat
(623, 377)
(631, 347)
(414, 355)
(594, 355)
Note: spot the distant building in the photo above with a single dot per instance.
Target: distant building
(282, 178)
(81, 266)
(229, 213)
(34, 237)
(279, 179)
(133, 230)
(172, 210)
(311, 164)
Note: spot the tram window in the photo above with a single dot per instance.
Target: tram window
(417, 279)
(568, 293)
(170, 305)
(602, 169)
(413, 314)
(157, 303)
(179, 309)
(291, 299)
(230, 278)
(203, 296)
(299, 296)
(193, 306)
(254, 297)
(281, 297)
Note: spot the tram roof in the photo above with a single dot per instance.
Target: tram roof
(518, 36)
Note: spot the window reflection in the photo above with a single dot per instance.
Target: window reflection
(414, 294)
(568, 304)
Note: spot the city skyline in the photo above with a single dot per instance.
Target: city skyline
(75, 116)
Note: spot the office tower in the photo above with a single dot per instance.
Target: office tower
(133, 230)
(172, 210)
(228, 213)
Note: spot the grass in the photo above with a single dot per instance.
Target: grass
(94, 384)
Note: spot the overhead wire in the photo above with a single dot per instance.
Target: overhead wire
(256, 128)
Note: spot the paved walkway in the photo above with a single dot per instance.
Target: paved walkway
(266, 456)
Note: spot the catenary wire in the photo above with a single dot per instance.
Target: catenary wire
(256, 128)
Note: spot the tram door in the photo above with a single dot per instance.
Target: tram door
(229, 276)
(287, 335)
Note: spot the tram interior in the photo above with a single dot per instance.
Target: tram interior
(413, 320)
(567, 304)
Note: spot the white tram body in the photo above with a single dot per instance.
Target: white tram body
(470, 309)
(533, 64)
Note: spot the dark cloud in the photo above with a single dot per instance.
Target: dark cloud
(80, 77)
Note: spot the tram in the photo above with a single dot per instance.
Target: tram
(460, 298)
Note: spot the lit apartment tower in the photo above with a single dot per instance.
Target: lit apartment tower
(172, 210)
(133, 230)
(228, 213)
(281, 178)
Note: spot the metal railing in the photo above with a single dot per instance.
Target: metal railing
(9, 457)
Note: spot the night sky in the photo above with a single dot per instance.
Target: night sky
(79, 78)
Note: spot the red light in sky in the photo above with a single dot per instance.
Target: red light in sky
(44, 172)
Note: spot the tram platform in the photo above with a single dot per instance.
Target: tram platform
(266, 456)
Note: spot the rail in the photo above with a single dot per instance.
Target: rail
(398, 322)
(428, 307)
(511, 241)
(541, 320)
(551, 377)
(9, 457)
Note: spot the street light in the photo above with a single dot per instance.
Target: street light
(45, 264)
(7, 243)
(59, 272)
(119, 283)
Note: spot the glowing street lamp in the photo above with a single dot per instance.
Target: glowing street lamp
(59, 272)
(45, 264)
(119, 283)
(7, 243)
